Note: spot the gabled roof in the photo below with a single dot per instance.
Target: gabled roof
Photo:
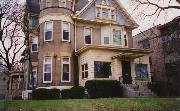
(124, 12)
(80, 4)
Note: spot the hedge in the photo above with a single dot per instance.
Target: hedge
(164, 89)
(76, 92)
(104, 88)
(46, 94)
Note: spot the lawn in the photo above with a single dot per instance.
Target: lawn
(113, 104)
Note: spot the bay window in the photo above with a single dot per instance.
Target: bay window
(47, 69)
(34, 44)
(65, 31)
(88, 35)
(84, 71)
(48, 31)
(116, 37)
(65, 76)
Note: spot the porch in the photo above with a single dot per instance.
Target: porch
(129, 66)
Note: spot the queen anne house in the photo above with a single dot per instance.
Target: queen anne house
(78, 40)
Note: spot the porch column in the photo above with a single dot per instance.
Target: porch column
(133, 72)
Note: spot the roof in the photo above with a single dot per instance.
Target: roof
(33, 6)
(169, 23)
(113, 48)
(80, 4)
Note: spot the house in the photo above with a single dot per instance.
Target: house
(80, 40)
(164, 41)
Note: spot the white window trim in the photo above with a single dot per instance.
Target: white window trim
(36, 75)
(64, 4)
(91, 35)
(49, 30)
(44, 71)
(32, 44)
(69, 63)
(62, 32)
(84, 71)
(122, 38)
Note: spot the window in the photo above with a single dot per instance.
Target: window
(66, 31)
(47, 69)
(125, 40)
(141, 71)
(65, 69)
(88, 35)
(84, 71)
(62, 3)
(113, 14)
(102, 69)
(106, 40)
(98, 13)
(116, 37)
(48, 3)
(34, 45)
(34, 22)
(48, 31)
(144, 44)
(34, 73)
(105, 13)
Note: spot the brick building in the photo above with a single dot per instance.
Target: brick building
(78, 40)
(164, 41)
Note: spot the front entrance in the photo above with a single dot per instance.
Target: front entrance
(126, 72)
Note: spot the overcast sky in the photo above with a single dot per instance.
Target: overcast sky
(150, 22)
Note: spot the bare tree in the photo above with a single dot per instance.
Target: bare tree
(11, 37)
(150, 8)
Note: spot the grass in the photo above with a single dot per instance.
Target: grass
(113, 104)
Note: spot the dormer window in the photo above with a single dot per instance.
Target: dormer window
(113, 14)
(62, 3)
(98, 12)
(48, 3)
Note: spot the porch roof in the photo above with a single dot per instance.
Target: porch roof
(129, 55)
(133, 52)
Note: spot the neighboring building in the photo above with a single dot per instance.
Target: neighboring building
(80, 40)
(3, 82)
(164, 40)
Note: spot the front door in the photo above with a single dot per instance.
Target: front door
(126, 72)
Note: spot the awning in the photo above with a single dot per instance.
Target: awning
(129, 55)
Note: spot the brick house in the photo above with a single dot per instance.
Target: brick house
(164, 41)
(80, 40)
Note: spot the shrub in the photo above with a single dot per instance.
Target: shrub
(164, 89)
(104, 88)
(46, 94)
(76, 92)
(65, 94)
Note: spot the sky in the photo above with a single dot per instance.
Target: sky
(147, 23)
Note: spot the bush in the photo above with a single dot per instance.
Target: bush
(104, 88)
(65, 94)
(164, 89)
(76, 92)
(46, 94)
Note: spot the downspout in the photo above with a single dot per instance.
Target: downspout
(75, 37)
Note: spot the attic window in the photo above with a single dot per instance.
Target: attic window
(62, 3)
(105, 13)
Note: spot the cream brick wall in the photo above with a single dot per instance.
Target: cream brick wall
(116, 67)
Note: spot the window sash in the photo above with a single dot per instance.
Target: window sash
(102, 69)
(106, 40)
(48, 3)
(34, 44)
(62, 3)
(84, 71)
(65, 31)
(47, 77)
(88, 35)
(48, 33)
(105, 13)
(65, 77)
(116, 37)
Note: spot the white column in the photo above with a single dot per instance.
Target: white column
(133, 72)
